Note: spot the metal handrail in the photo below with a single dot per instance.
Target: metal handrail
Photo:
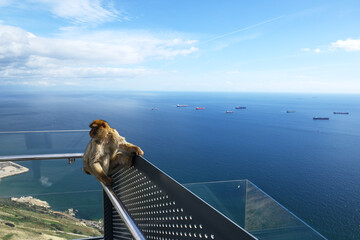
(70, 156)
(121, 210)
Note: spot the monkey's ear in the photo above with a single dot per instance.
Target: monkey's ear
(103, 124)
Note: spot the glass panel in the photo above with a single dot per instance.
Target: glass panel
(47, 199)
(43, 142)
(255, 211)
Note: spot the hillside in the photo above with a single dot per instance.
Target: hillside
(20, 220)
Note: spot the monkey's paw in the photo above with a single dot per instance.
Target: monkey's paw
(138, 151)
(108, 181)
(85, 171)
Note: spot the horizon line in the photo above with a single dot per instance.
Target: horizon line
(90, 90)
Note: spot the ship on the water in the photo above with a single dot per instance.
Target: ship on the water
(199, 108)
(290, 111)
(179, 105)
(229, 112)
(239, 107)
(341, 112)
(155, 108)
(321, 118)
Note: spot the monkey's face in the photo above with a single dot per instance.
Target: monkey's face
(94, 131)
(98, 129)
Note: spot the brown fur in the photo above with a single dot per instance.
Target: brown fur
(107, 152)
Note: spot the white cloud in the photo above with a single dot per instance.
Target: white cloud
(37, 83)
(81, 11)
(64, 72)
(96, 48)
(100, 55)
(348, 45)
(14, 45)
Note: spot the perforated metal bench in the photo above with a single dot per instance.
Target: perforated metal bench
(160, 208)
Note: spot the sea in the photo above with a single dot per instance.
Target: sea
(312, 167)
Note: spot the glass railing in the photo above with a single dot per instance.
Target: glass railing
(44, 199)
(43, 142)
(254, 210)
(49, 198)
(54, 198)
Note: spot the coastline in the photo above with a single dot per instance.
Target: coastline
(31, 218)
(8, 169)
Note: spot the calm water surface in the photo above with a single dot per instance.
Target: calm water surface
(311, 167)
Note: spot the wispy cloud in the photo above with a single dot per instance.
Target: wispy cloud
(315, 50)
(81, 11)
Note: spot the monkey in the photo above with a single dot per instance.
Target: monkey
(107, 151)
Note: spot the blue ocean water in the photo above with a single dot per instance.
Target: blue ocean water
(311, 167)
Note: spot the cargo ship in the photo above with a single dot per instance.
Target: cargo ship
(238, 107)
(290, 111)
(178, 105)
(229, 112)
(155, 108)
(199, 108)
(341, 112)
(321, 118)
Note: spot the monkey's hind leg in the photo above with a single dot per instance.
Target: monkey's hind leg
(120, 160)
(99, 173)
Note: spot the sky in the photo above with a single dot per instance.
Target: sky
(166, 45)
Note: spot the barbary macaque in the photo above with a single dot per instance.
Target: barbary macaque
(107, 152)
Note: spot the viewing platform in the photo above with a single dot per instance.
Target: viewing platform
(143, 203)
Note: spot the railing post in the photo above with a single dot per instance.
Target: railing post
(108, 220)
(121, 210)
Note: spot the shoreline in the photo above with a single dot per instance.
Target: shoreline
(32, 218)
(8, 169)
(69, 214)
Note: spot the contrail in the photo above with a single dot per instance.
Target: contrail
(242, 29)
(231, 33)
